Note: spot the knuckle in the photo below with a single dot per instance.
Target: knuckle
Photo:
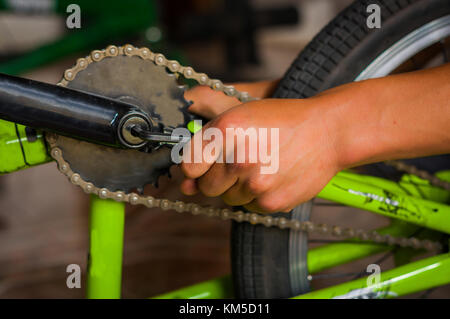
(270, 204)
(251, 208)
(235, 168)
(189, 170)
(201, 92)
(258, 184)
(227, 120)
(231, 200)
(206, 188)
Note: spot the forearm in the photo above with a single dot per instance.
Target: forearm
(401, 116)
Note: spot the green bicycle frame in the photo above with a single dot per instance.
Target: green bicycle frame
(19, 150)
(414, 277)
(106, 246)
(417, 276)
(412, 203)
(411, 199)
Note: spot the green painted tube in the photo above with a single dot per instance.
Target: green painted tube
(332, 255)
(19, 151)
(408, 185)
(104, 275)
(218, 288)
(410, 278)
(382, 200)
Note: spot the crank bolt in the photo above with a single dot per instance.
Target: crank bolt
(126, 124)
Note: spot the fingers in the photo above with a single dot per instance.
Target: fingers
(237, 182)
(215, 178)
(269, 199)
(209, 103)
(195, 163)
(254, 207)
(262, 89)
(266, 205)
(237, 195)
(216, 181)
(280, 199)
(189, 187)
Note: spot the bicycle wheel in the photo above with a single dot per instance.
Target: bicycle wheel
(271, 263)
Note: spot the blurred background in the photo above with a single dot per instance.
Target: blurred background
(44, 219)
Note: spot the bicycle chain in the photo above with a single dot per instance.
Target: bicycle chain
(195, 209)
(412, 170)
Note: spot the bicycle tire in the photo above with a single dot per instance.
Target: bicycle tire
(337, 55)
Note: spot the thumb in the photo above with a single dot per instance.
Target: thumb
(209, 103)
(195, 162)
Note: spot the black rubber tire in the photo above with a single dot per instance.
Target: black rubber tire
(337, 55)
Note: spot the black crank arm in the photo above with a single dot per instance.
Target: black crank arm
(65, 111)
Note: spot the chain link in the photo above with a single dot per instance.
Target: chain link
(410, 169)
(195, 209)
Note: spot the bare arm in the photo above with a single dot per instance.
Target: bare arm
(401, 116)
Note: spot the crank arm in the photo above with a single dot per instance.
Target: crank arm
(70, 113)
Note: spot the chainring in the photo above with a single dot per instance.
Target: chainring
(153, 90)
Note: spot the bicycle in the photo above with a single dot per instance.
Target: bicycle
(271, 262)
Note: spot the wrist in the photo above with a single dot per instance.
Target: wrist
(356, 115)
